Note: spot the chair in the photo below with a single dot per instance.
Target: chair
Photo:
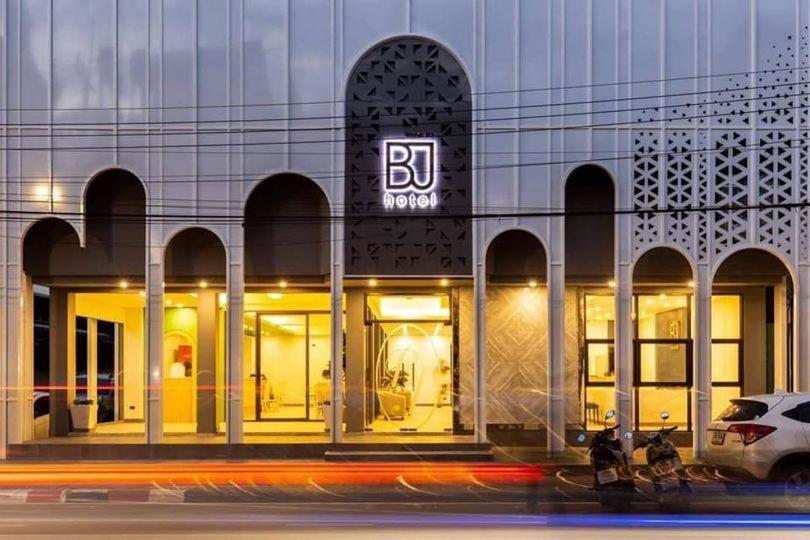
(322, 395)
(392, 404)
(592, 415)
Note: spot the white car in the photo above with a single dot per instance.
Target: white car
(768, 436)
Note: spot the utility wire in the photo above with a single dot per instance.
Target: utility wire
(441, 109)
(484, 93)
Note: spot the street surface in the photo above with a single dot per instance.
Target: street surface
(366, 500)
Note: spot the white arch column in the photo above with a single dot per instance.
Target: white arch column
(234, 378)
(555, 433)
(801, 329)
(154, 340)
(480, 350)
(623, 344)
(702, 359)
(336, 320)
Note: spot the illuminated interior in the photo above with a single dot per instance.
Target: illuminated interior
(108, 358)
(409, 386)
(663, 358)
(287, 344)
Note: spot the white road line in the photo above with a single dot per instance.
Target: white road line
(312, 483)
(562, 478)
(402, 481)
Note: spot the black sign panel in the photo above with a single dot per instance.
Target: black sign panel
(408, 162)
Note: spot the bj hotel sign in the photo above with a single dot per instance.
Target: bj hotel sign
(409, 167)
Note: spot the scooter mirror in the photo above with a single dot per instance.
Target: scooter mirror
(581, 438)
(610, 414)
(664, 415)
(628, 435)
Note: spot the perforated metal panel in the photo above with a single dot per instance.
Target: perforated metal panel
(408, 88)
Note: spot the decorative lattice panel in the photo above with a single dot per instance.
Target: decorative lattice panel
(679, 184)
(775, 187)
(702, 219)
(804, 196)
(408, 88)
(730, 189)
(645, 187)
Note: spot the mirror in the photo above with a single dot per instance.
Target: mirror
(628, 435)
(610, 414)
(581, 438)
(664, 415)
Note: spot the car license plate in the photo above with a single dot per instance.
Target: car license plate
(718, 437)
(606, 476)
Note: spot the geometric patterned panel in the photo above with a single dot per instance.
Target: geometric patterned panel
(731, 188)
(516, 355)
(804, 196)
(406, 88)
(679, 187)
(645, 187)
(775, 187)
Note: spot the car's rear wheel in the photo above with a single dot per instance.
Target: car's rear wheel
(796, 483)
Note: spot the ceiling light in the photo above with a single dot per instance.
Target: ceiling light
(203, 284)
(532, 283)
(690, 284)
(612, 284)
(282, 284)
(123, 284)
(372, 282)
(444, 282)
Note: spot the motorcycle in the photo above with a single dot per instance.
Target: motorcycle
(668, 474)
(612, 478)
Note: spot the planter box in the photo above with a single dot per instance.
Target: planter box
(84, 417)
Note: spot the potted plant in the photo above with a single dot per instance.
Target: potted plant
(84, 414)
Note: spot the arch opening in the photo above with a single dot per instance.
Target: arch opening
(194, 330)
(589, 268)
(752, 327)
(516, 331)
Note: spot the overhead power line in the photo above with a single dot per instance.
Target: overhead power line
(483, 93)
(454, 110)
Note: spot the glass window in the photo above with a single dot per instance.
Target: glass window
(726, 315)
(654, 400)
(663, 317)
(599, 317)
(598, 400)
(721, 396)
(663, 362)
(744, 410)
(725, 362)
(601, 362)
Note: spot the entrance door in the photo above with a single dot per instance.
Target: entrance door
(409, 375)
(98, 366)
(282, 367)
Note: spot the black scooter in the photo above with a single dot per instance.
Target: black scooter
(668, 474)
(612, 478)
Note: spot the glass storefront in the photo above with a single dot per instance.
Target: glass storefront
(409, 366)
(287, 343)
(662, 357)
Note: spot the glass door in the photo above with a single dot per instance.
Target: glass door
(282, 367)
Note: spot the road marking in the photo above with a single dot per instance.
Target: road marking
(562, 478)
(478, 482)
(312, 483)
(402, 481)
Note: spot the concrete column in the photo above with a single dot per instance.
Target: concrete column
(355, 362)
(17, 396)
(623, 343)
(26, 358)
(480, 364)
(556, 359)
(154, 349)
(92, 364)
(801, 330)
(235, 357)
(206, 361)
(702, 359)
(336, 352)
(60, 330)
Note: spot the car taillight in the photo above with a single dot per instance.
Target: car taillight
(751, 433)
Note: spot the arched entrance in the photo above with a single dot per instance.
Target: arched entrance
(589, 298)
(752, 327)
(193, 365)
(663, 285)
(288, 335)
(516, 332)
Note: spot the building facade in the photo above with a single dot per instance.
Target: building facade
(364, 221)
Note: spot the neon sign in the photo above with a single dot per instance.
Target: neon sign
(409, 167)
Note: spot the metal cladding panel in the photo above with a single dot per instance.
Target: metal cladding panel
(408, 89)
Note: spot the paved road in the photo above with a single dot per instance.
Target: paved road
(359, 521)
